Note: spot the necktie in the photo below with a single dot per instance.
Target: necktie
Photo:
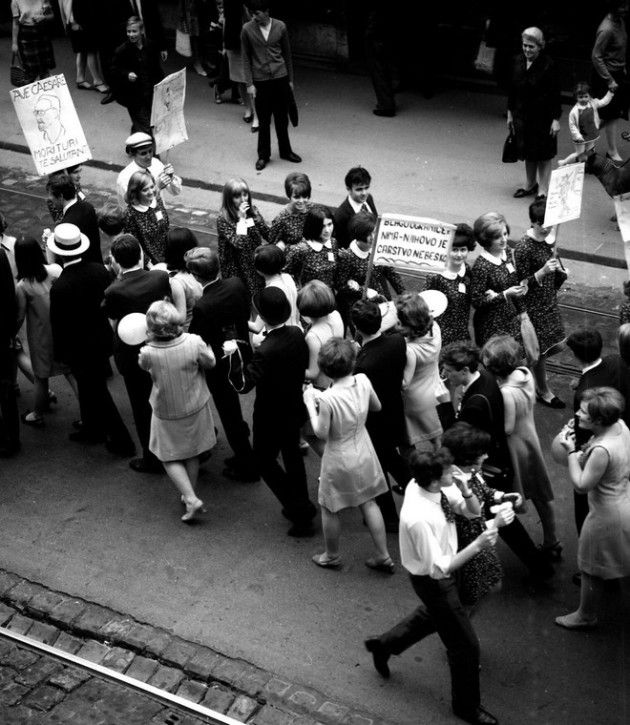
(446, 507)
(365, 208)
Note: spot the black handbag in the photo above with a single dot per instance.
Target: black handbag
(18, 75)
(510, 150)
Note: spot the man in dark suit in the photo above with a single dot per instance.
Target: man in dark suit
(62, 195)
(10, 423)
(357, 182)
(277, 373)
(482, 407)
(134, 291)
(382, 358)
(611, 371)
(222, 314)
(82, 339)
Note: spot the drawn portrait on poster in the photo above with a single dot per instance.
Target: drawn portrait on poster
(564, 201)
(167, 111)
(50, 124)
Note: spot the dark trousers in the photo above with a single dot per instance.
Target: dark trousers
(441, 611)
(272, 99)
(140, 115)
(10, 424)
(100, 416)
(393, 464)
(581, 509)
(228, 405)
(516, 537)
(380, 61)
(287, 484)
(138, 384)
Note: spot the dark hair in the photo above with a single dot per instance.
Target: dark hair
(603, 404)
(464, 237)
(537, 211)
(30, 259)
(501, 355)
(316, 299)
(314, 222)
(461, 354)
(414, 315)
(178, 241)
(231, 188)
(203, 262)
(357, 176)
(428, 466)
(581, 88)
(624, 342)
(255, 5)
(466, 443)
(126, 250)
(272, 305)
(586, 344)
(626, 284)
(269, 259)
(111, 218)
(3, 223)
(487, 228)
(366, 316)
(361, 225)
(72, 169)
(297, 183)
(336, 357)
(136, 183)
(61, 185)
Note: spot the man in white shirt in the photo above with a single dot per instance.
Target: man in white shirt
(428, 550)
(140, 147)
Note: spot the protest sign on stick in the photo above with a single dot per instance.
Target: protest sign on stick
(622, 207)
(564, 200)
(50, 124)
(167, 111)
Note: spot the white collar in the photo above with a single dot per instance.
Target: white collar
(497, 261)
(69, 204)
(447, 274)
(550, 243)
(357, 251)
(142, 208)
(357, 207)
(8, 242)
(475, 376)
(592, 365)
(74, 261)
(318, 246)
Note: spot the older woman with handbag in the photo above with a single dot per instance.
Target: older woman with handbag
(534, 109)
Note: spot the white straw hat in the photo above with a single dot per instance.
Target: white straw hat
(67, 240)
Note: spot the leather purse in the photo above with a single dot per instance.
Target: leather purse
(18, 75)
(510, 150)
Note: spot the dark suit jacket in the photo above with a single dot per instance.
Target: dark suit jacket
(149, 71)
(83, 215)
(482, 406)
(82, 335)
(8, 304)
(612, 372)
(383, 361)
(342, 216)
(277, 372)
(134, 292)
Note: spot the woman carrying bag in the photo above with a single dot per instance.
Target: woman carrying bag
(31, 38)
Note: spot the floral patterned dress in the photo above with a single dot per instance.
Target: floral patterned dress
(288, 226)
(236, 250)
(313, 260)
(455, 318)
(149, 225)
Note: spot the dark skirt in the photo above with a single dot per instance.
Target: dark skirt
(534, 141)
(36, 50)
(83, 41)
(618, 107)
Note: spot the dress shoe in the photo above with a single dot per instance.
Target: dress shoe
(109, 98)
(31, 418)
(260, 164)
(520, 193)
(302, 530)
(141, 465)
(385, 112)
(379, 656)
(387, 566)
(479, 716)
(192, 509)
(292, 156)
(244, 475)
(617, 162)
(327, 562)
(124, 450)
(553, 403)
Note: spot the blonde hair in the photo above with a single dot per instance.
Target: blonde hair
(534, 35)
(230, 189)
(136, 183)
(164, 322)
(487, 228)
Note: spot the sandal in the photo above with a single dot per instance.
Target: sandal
(102, 88)
(85, 86)
(387, 566)
(327, 562)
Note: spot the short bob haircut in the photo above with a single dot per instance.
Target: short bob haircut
(136, 183)
(61, 185)
(461, 354)
(269, 259)
(314, 222)
(29, 259)
(126, 250)
(604, 405)
(488, 227)
(464, 237)
(413, 315)
(361, 225)
(586, 344)
(232, 188)
(466, 443)
(366, 316)
(111, 218)
(357, 176)
(501, 355)
(534, 35)
(428, 466)
(315, 299)
(624, 342)
(336, 357)
(297, 183)
(164, 322)
(203, 262)
(537, 211)
(178, 241)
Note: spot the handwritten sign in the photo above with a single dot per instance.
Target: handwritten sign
(413, 243)
(564, 200)
(622, 207)
(50, 124)
(167, 111)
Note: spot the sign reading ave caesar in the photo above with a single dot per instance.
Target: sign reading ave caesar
(413, 243)
(50, 124)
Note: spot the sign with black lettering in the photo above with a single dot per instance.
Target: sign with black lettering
(413, 243)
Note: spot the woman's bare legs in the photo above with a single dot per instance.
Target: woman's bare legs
(177, 471)
(544, 175)
(80, 60)
(547, 520)
(94, 67)
(331, 526)
(610, 131)
(531, 168)
(374, 520)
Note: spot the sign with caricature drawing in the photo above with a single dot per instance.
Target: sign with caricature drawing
(167, 111)
(564, 200)
(50, 124)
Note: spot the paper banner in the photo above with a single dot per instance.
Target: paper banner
(50, 124)
(564, 200)
(622, 207)
(167, 111)
(413, 243)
